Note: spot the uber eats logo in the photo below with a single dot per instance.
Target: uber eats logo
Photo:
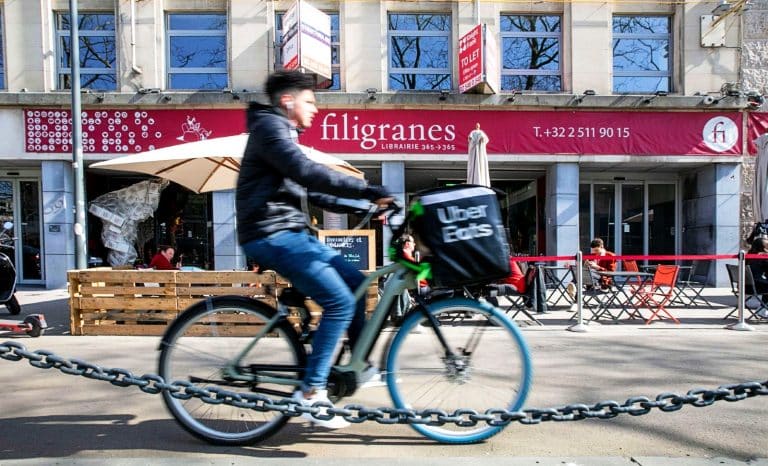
(455, 219)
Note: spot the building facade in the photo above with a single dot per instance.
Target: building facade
(628, 121)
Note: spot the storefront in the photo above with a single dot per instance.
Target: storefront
(648, 182)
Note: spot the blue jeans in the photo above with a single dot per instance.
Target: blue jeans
(321, 273)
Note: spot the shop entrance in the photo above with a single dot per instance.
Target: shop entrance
(630, 217)
(20, 227)
(182, 220)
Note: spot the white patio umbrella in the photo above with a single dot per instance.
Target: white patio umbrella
(207, 165)
(760, 188)
(477, 161)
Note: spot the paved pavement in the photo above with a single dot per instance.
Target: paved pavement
(51, 418)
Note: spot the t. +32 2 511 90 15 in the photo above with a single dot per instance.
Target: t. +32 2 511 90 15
(581, 132)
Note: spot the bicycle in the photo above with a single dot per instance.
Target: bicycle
(434, 360)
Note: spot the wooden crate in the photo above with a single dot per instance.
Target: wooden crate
(144, 302)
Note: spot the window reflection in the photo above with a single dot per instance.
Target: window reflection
(96, 51)
(2, 54)
(530, 52)
(641, 55)
(419, 51)
(197, 51)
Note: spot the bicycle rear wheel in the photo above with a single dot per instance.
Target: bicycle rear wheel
(203, 341)
(490, 367)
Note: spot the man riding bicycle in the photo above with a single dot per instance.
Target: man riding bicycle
(276, 181)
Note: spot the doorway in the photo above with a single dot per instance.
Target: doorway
(630, 217)
(20, 228)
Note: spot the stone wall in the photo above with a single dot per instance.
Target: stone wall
(754, 66)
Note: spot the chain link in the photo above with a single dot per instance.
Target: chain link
(355, 413)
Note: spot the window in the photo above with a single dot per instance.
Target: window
(197, 51)
(530, 53)
(2, 56)
(333, 84)
(419, 51)
(641, 56)
(96, 49)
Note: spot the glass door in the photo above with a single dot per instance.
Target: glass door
(20, 228)
(647, 216)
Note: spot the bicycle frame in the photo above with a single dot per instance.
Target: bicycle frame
(401, 279)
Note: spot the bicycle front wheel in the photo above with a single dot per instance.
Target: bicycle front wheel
(486, 365)
(208, 346)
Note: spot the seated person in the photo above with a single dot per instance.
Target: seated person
(515, 283)
(407, 249)
(606, 263)
(759, 267)
(162, 260)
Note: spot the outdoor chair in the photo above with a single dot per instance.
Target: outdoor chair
(750, 292)
(517, 302)
(593, 296)
(691, 287)
(657, 295)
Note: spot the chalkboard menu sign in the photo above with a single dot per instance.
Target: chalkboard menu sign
(357, 246)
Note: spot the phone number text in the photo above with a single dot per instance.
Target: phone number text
(581, 132)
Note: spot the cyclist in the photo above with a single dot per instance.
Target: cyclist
(275, 182)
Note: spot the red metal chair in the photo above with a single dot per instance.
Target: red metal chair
(660, 292)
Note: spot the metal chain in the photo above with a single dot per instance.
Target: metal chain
(354, 413)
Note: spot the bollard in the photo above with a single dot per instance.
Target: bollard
(741, 324)
(579, 327)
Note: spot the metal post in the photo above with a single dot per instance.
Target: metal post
(81, 243)
(741, 324)
(579, 327)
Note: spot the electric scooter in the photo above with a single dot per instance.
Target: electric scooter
(34, 324)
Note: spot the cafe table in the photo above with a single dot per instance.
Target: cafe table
(625, 284)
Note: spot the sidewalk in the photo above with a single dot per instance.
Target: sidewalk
(51, 418)
(54, 305)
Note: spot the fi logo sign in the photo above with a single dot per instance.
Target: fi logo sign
(720, 134)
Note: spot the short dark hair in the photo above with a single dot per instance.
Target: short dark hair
(597, 243)
(287, 82)
(165, 247)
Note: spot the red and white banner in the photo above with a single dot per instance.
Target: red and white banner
(521, 132)
(409, 131)
(757, 125)
(471, 59)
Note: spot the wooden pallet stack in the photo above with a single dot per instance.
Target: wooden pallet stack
(144, 302)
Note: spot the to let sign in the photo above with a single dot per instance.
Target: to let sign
(471, 59)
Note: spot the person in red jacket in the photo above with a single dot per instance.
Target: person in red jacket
(606, 263)
(516, 277)
(162, 260)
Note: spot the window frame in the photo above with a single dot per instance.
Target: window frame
(668, 36)
(61, 34)
(170, 33)
(335, 44)
(3, 76)
(526, 34)
(391, 34)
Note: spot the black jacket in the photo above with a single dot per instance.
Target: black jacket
(273, 176)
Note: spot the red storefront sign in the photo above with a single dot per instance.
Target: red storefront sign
(521, 132)
(127, 131)
(407, 131)
(757, 125)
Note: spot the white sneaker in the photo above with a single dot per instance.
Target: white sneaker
(337, 422)
(571, 290)
(371, 377)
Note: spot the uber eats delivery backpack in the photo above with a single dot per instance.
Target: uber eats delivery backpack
(462, 227)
